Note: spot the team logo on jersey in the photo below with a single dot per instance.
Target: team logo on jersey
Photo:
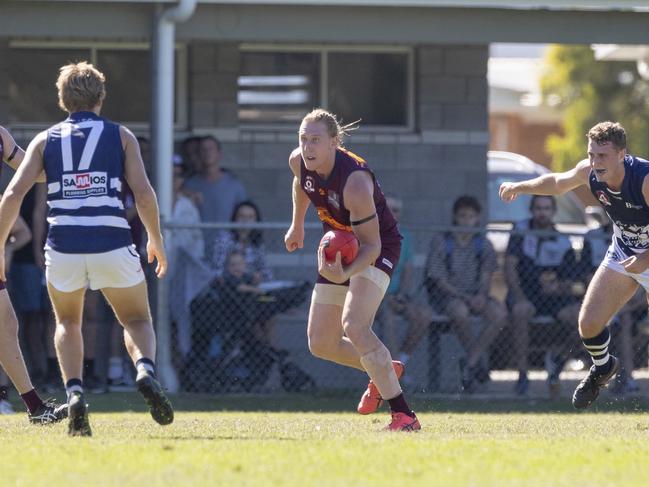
(334, 199)
(633, 207)
(309, 185)
(84, 184)
(603, 198)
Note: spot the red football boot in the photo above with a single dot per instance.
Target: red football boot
(371, 399)
(403, 422)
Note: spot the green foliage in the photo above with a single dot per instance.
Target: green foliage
(589, 92)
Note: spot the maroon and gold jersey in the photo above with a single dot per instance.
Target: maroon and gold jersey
(327, 197)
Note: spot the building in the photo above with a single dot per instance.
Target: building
(414, 72)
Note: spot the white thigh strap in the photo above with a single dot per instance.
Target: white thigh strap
(329, 294)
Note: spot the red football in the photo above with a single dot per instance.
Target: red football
(340, 241)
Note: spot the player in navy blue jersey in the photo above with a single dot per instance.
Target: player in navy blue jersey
(11, 358)
(619, 182)
(86, 159)
(345, 299)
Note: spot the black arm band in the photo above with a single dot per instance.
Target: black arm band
(359, 222)
(13, 153)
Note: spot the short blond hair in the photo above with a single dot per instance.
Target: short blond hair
(81, 87)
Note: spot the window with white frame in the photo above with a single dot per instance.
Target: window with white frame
(127, 67)
(280, 85)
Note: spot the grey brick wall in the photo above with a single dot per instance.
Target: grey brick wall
(444, 157)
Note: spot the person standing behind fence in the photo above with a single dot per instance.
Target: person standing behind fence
(89, 243)
(11, 357)
(540, 271)
(620, 183)
(221, 190)
(458, 269)
(345, 299)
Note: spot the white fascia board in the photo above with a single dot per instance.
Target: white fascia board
(619, 52)
(634, 5)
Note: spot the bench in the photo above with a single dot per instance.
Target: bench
(440, 325)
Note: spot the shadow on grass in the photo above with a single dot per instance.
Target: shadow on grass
(346, 402)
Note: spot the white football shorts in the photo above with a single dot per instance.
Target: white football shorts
(614, 255)
(118, 268)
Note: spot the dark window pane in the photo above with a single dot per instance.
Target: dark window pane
(278, 87)
(128, 84)
(369, 86)
(32, 77)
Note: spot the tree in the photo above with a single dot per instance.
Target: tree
(591, 91)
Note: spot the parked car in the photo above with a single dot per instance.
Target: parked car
(572, 216)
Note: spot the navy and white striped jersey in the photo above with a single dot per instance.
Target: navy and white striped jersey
(84, 167)
(627, 208)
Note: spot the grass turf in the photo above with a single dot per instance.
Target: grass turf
(282, 440)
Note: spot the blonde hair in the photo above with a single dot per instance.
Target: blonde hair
(81, 87)
(334, 128)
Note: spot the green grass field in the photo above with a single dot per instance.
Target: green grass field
(239, 441)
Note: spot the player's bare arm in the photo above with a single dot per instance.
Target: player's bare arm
(39, 226)
(145, 200)
(294, 238)
(547, 184)
(20, 184)
(13, 154)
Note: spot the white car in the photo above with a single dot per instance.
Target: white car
(572, 216)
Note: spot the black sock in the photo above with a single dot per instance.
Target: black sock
(146, 365)
(597, 347)
(399, 405)
(73, 386)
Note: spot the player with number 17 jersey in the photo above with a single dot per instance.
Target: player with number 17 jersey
(87, 160)
(84, 163)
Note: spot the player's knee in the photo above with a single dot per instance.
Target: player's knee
(355, 331)
(318, 346)
(590, 326)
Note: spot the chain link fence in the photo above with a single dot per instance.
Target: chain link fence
(468, 312)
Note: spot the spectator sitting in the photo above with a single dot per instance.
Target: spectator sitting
(248, 241)
(459, 269)
(540, 271)
(402, 299)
